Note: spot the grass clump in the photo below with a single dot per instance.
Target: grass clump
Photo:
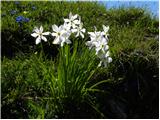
(43, 90)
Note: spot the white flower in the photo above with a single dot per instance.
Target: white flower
(72, 20)
(105, 58)
(105, 31)
(109, 59)
(79, 30)
(61, 36)
(39, 34)
(67, 27)
(99, 41)
(102, 55)
(105, 62)
(95, 37)
(90, 44)
(101, 45)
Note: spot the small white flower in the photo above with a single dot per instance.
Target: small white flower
(79, 30)
(72, 21)
(61, 36)
(99, 41)
(38, 33)
(101, 45)
(90, 44)
(109, 59)
(105, 61)
(66, 40)
(67, 27)
(102, 55)
(105, 31)
(95, 37)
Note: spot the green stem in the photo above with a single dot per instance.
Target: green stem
(42, 50)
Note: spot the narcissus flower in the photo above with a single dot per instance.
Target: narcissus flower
(101, 46)
(72, 21)
(104, 59)
(99, 41)
(61, 36)
(79, 30)
(66, 27)
(95, 37)
(105, 31)
(38, 33)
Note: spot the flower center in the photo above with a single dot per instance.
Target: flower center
(59, 33)
(102, 46)
(40, 34)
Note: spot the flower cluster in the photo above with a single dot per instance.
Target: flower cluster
(62, 33)
(21, 19)
(99, 42)
(73, 25)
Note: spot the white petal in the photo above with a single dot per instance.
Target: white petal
(97, 44)
(34, 34)
(62, 38)
(83, 30)
(46, 33)
(77, 34)
(36, 30)
(105, 28)
(62, 43)
(66, 26)
(55, 28)
(97, 50)
(76, 22)
(75, 16)
(70, 15)
(109, 59)
(81, 35)
(103, 33)
(103, 41)
(66, 20)
(74, 30)
(107, 54)
(73, 25)
(41, 29)
(44, 38)
(38, 40)
(54, 34)
(89, 43)
(56, 41)
(106, 36)
(68, 41)
(92, 34)
(106, 47)
(100, 64)
(61, 28)
(65, 35)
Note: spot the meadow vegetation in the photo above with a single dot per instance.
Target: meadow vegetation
(48, 84)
